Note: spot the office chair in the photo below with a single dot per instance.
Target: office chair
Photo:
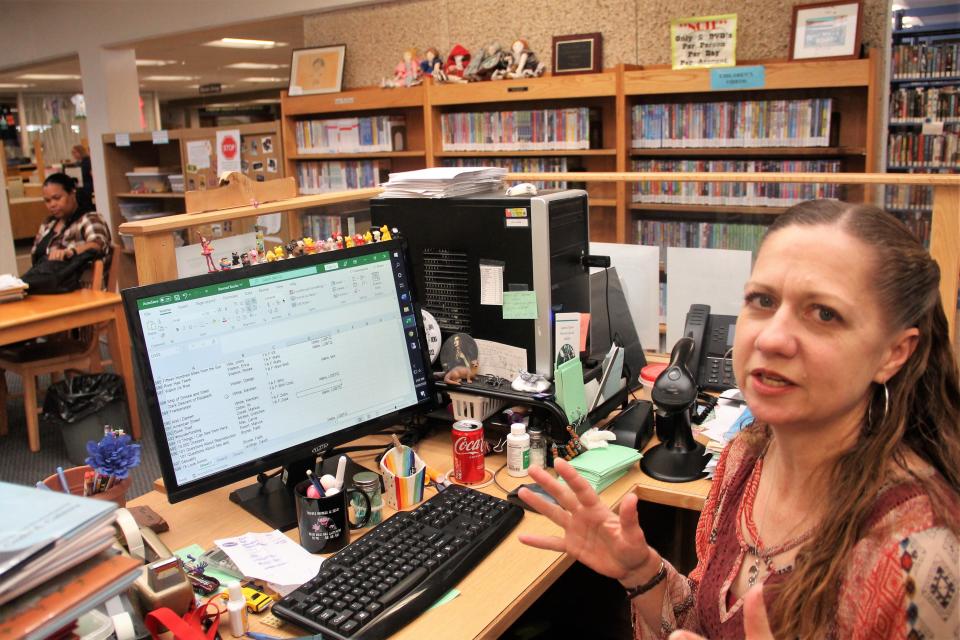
(55, 355)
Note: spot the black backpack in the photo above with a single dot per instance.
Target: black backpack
(58, 276)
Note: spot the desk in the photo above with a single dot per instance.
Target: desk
(37, 315)
(491, 597)
(26, 214)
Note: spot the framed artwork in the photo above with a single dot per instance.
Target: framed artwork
(317, 70)
(826, 31)
(581, 53)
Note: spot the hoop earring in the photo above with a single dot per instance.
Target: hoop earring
(886, 407)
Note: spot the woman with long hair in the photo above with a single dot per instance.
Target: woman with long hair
(837, 513)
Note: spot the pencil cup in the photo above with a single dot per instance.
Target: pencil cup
(325, 522)
(404, 474)
(116, 493)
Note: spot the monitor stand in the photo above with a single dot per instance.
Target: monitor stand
(272, 501)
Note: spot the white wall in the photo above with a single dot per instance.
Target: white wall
(36, 30)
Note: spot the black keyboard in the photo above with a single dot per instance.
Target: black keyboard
(379, 583)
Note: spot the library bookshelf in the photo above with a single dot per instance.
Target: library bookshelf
(172, 157)
(435, 113)
(923, 114)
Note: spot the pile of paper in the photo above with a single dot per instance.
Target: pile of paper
(11, 287)
(443, 182)
(603, 466)
(725, 421)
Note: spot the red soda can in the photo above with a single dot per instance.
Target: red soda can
(468, 451)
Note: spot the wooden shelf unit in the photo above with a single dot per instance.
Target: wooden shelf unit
(142, 152)
(612, 93)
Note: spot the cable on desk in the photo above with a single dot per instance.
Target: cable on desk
(497, 482)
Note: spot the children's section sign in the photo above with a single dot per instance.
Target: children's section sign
(704, 41)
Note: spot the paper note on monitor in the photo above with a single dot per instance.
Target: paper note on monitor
(501, 360)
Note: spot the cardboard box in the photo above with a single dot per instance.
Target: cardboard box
(240, 191)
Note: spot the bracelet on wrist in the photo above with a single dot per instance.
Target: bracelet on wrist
(633, 592)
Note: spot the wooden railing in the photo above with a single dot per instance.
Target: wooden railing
(156, 260)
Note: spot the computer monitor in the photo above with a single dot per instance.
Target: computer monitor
(272, 365)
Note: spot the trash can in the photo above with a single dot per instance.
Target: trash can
(81, 405)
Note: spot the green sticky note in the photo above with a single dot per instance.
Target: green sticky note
(519, 305)
(453, 593)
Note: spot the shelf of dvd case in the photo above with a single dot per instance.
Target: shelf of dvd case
(705, 208)
(751, 151)
(367, 155)
(918, 121)
(525, 153)
(925, 82)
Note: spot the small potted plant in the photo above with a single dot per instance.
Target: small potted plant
(107, 474)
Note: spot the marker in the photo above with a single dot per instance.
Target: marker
(316, 484)
(63, 480)
(341, 471)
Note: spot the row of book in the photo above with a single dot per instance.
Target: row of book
(761, 194)
(348, 135)
(918, 222)
(749, 123)
(908, 196)
(535, 164)
(336, 175)
(320, 226)
(919, 104)
(699, 235)
(532, 130)
(925, 60)
(914, 149)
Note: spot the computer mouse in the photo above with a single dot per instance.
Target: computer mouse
(522, 189)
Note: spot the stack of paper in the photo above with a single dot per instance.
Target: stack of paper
(725, 421)
(11, 287)
(603, 466)
(443, 182)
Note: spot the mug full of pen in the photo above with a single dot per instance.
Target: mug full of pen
(404, 475)
(325, 521)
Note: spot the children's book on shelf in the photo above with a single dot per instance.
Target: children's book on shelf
(530, 130)
(349, 135)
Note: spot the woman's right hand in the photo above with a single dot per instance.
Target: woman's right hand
(608, 543)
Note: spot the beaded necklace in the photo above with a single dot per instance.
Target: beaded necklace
(758, 551)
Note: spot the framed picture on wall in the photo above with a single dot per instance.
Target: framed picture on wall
(826, 31)
(317, 70)
(581, 53)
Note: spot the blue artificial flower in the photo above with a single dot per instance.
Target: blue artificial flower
(113, 456)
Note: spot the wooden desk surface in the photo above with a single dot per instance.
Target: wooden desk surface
(491, 598)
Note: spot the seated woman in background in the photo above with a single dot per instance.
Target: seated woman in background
(837, 513)
(73, 226)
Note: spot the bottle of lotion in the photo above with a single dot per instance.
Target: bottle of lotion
(518, 450)
(237, 610)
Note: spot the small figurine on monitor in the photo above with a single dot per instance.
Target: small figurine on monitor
(206, 249)
(457, 63)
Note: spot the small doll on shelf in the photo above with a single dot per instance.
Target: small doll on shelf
(487, 62)
(432, 65)
(457, 63)
(524, 62)
(407, 72)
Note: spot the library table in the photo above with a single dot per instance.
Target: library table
(492, 596)
(40, 315)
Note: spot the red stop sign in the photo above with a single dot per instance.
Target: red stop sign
(228, 147)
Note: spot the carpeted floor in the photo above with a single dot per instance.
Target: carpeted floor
(21, 466)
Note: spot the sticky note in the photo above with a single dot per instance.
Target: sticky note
(738, 78)
(519, 305)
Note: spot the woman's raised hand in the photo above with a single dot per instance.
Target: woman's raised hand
(608, 543)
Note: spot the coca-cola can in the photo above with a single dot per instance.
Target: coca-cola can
(468, 451)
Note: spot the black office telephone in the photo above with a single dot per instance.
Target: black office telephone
(712, 335)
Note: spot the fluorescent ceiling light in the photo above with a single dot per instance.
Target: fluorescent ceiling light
(255, 65)
(49, 76)
(14, 85)
(156, 63)
(262, 79)
(170, 78)
(244, 43)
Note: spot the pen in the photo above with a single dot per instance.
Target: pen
(315, 482)
(88, 483)
(63, 480)
(341, 471)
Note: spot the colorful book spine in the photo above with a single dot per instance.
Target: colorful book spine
(925, 61)
(760, 194)
(533, 130)
(752, 123)
(336, 175)
(347, 135)
(913, 149)
(698, 235)
(925, 104)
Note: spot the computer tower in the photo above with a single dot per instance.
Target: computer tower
(537, 241)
